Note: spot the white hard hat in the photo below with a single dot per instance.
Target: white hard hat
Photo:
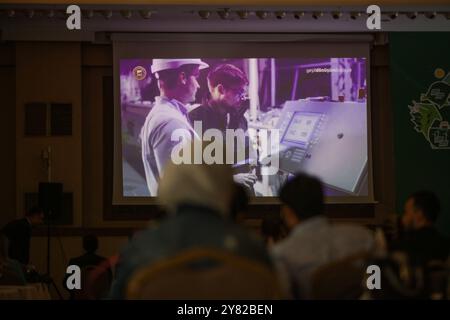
(165, 64)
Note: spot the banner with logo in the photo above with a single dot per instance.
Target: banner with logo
(420, 83)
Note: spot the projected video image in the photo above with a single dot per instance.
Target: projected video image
(274, 116)
(301, 127)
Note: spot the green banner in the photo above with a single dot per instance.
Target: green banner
(420, 90)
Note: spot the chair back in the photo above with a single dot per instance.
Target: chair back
(437, 275)
(204, 274)
(342, 279)
(95, 283)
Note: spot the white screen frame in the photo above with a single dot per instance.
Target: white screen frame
(199, 45)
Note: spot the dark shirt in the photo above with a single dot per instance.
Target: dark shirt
(91, 260)
(423, 246)
(223, 118)
(18, 233)
(216, 117)
(87, 259)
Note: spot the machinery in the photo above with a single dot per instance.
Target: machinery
(327, 139)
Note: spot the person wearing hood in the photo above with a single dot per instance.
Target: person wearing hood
(197, 198)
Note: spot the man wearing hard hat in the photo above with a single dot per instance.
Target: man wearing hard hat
(177, 82)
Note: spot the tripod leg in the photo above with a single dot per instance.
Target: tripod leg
(52, 283)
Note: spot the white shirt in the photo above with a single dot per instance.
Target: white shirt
(165, 117)
(312, 244)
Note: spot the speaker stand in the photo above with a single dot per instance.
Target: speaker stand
(48, 278)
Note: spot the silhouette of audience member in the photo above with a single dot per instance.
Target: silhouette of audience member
(11, 272)
(18, 233)
(92, 264)
(239, 203)
(421, 241)
(312, 241)
(272, 229)
(198, 200)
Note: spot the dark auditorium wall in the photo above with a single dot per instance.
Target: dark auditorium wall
(50, 73)
(7, 133)
(96, 65)
(417, 61)
(67, 72)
